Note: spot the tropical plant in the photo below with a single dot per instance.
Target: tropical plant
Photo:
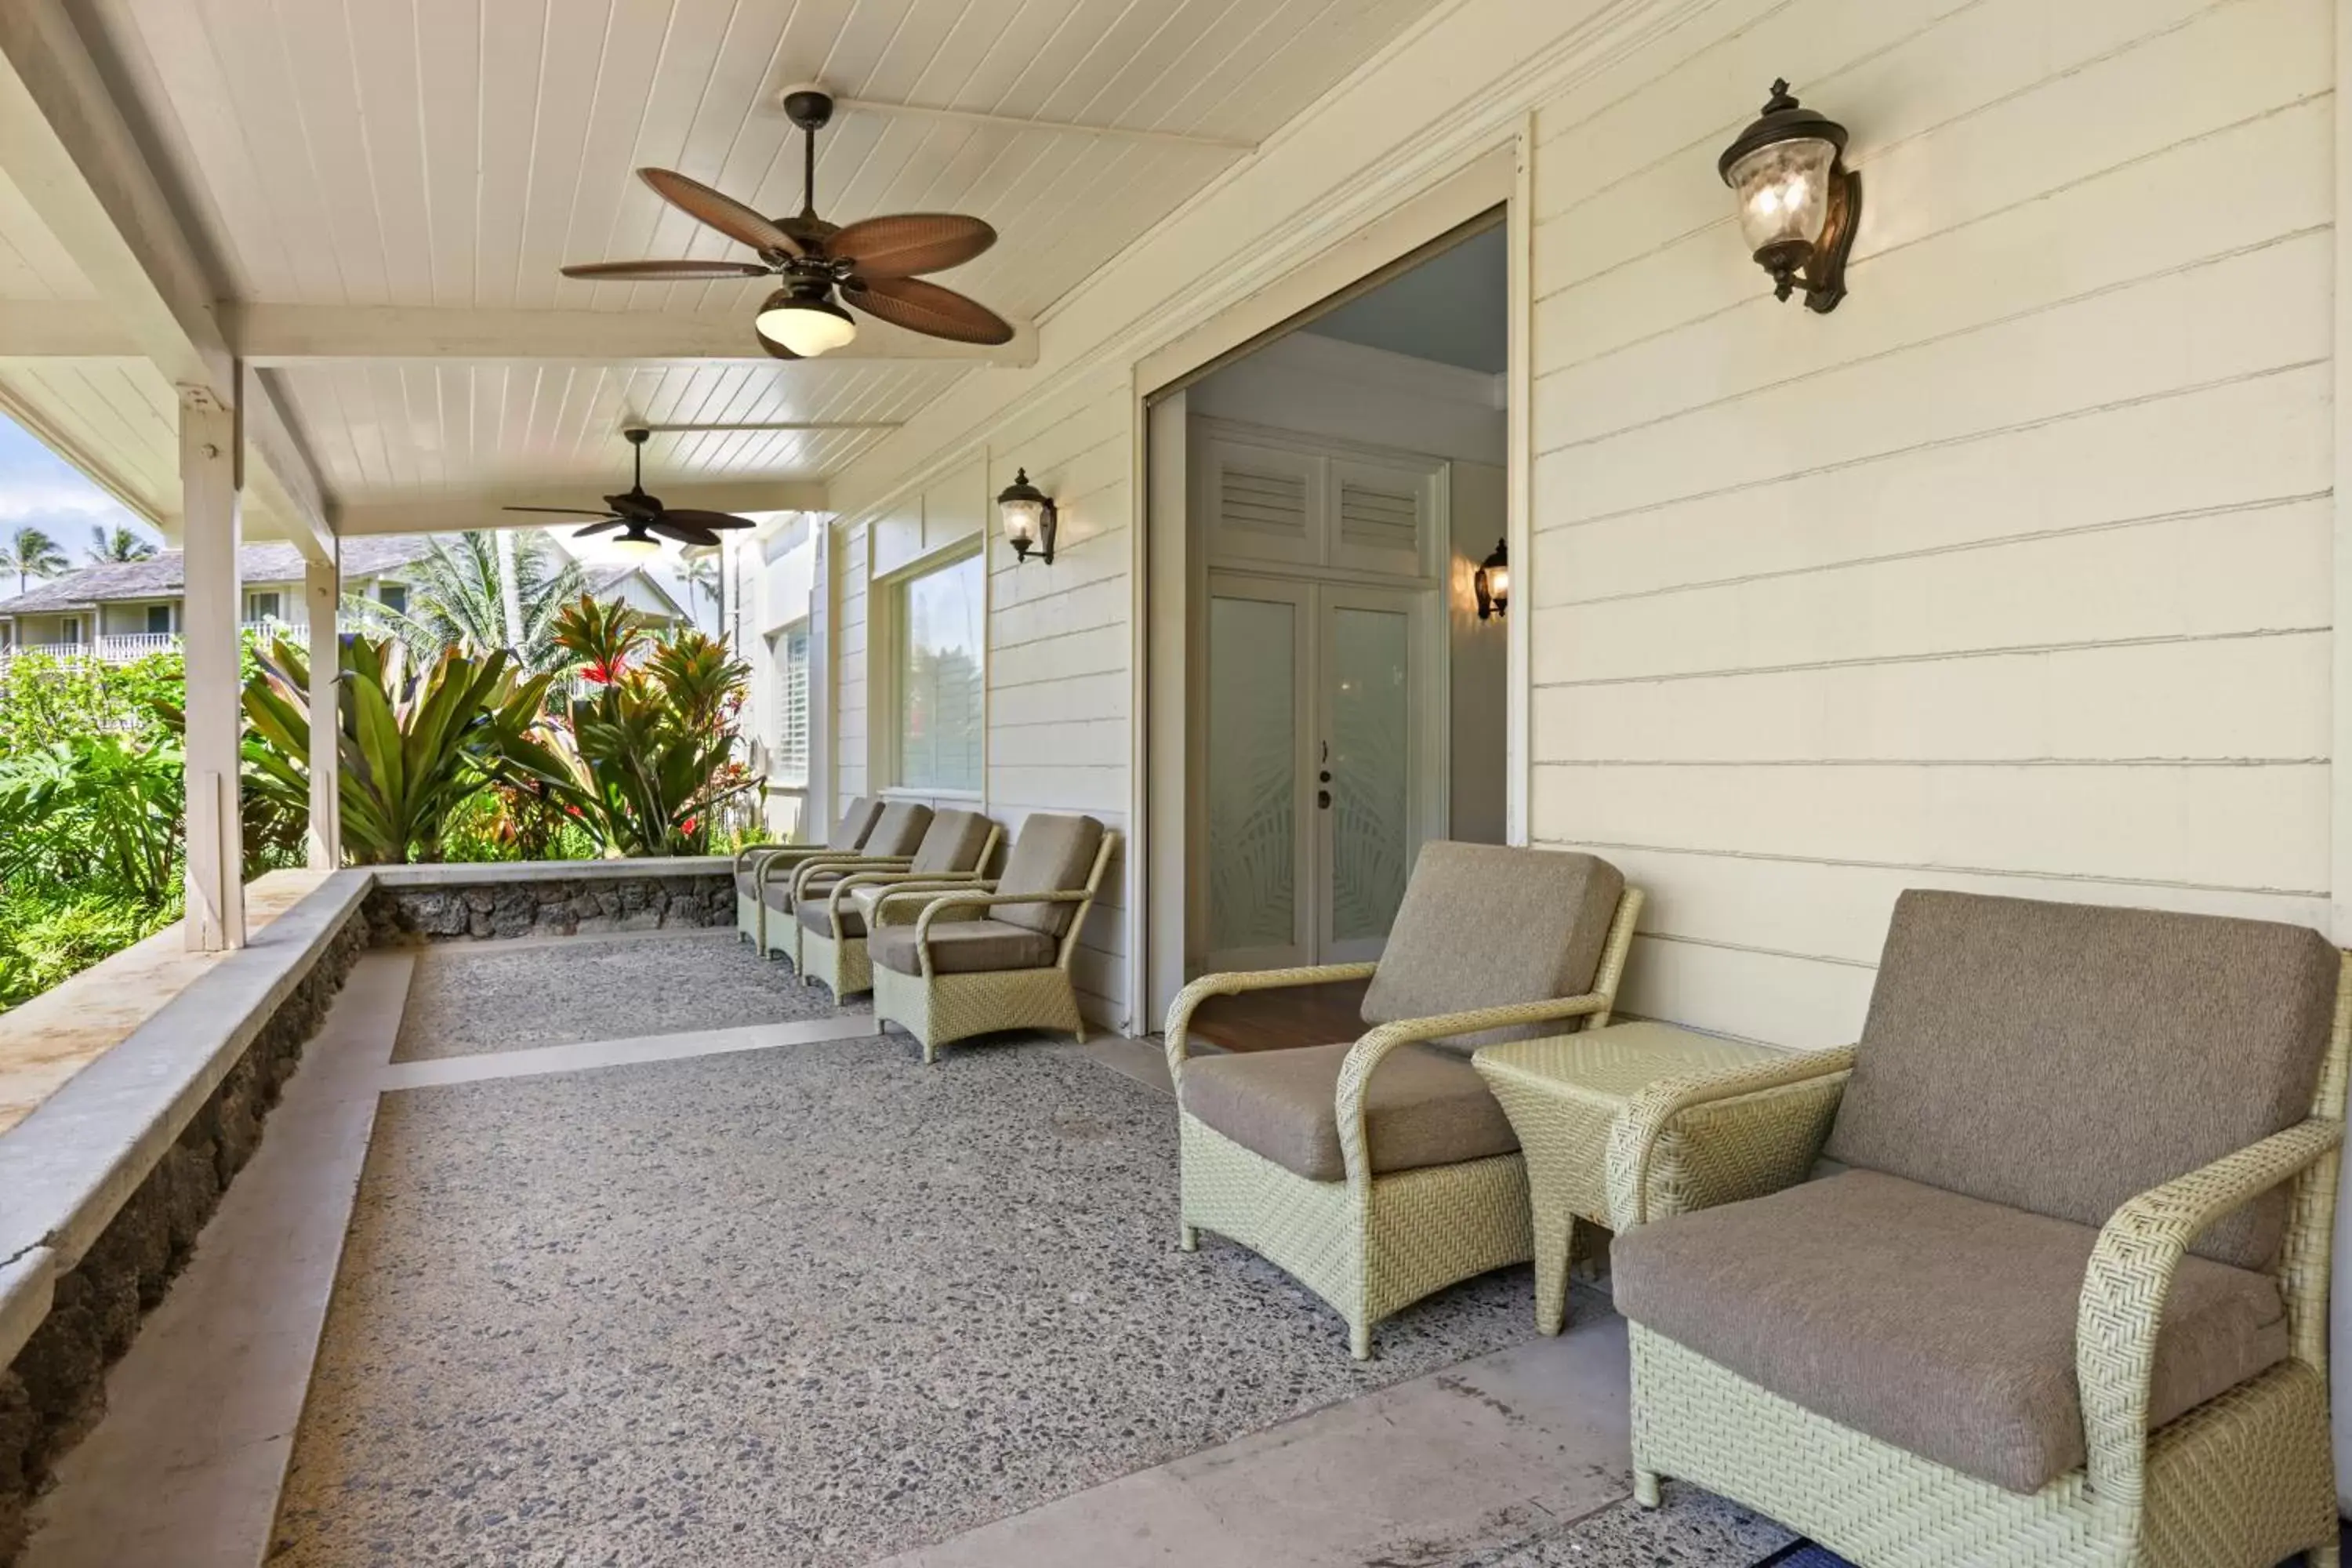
(29, 554)
(118, 543)
(46, 700)
(644, 757)
(50, 936)
(412, 743)
(105, 812)
(458, 599)
(700, 570)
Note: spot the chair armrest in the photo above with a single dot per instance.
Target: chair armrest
(918, 899)
(2130, 1274)
(901, 881)
(982, 900)
(787, 864)
(760, 854)
(1181, 1011)
(1365, 1056)
(1634, 1137)
(818, 863)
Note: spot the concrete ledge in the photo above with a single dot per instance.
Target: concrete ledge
(28, 1286)
(463, 873)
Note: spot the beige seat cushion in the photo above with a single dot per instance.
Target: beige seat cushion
(962, 947)
(953, 843)
(1423, 1107)
(1053, 855)
(779, 893)
(1939, 1323)
(2064, 1057)
(856, 823)
(1484, 926)
(816, 915)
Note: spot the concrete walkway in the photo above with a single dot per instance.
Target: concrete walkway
(1514, 1458)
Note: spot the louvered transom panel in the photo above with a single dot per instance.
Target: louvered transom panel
(1270, 504)
(1374, 518)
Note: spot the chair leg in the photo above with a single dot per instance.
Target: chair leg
(1188, 1238)
(931, 1053)
(1645, 1488)
(2328, 1556)
(1359, 1341)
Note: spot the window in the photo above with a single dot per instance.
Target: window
(393, 596)
(939, 647)
(69, 630)
(263, 607)
(159, 620)
(791, 763)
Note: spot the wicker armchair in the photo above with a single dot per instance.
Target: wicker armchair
(1375, 1192)
(750, 910)
(947, 966)
(899, 828)
(2064, 1301)
(954, 852)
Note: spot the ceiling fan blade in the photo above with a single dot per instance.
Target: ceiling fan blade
(633, 505)
(672, 271)
(929, 309)
(683, 532)
(907, 243)
(563, 511)
(607, 526)
(720, 519)
(772, 346)
(720, 211)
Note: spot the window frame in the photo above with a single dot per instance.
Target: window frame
(887, 631)
(254, 613)
(792, 671)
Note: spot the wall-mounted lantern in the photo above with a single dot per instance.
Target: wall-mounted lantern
(1798, 204)
(1030, 518)
(1493, 583)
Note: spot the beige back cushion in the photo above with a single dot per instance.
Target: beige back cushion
(899, 829)
(953, 843)
(1484, 926)
(856, 822)
(1051, 854)
(2061, 1059)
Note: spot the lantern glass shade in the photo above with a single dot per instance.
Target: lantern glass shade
(808, 325)
(1784, 193)
(1023, 518)
(1492, 582)
(634, 547)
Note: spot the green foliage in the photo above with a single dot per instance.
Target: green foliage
(455, 600)
(29, 554)
(411, 744)
(643, 758)
(118, 543)
(50, 935)
(46, 701)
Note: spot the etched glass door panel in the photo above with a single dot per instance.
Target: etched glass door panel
(1370, 832)
(1255, 847)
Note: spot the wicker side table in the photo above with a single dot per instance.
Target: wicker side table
(1563, 1094)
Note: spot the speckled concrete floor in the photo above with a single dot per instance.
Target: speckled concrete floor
(810, 1305)
(1689, 1529)
(474, 998)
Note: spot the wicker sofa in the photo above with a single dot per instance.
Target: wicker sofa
(2064, 1299)
(947, 966)
(899, 828)
(750, 909)
(1374, 1192)
(954, 853)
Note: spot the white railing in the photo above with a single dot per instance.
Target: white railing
(127, 648)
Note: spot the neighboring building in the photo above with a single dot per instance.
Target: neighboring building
(140, 599)
(636, 587)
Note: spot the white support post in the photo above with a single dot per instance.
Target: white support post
(209, 435)
(322, 588)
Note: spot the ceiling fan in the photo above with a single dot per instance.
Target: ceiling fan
(640, 516)
(873, 263)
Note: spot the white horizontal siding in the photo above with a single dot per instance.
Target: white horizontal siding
(2012, 575)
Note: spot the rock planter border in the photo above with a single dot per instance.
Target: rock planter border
(105, 1187)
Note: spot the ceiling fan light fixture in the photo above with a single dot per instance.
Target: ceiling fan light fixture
(635, 546)
(809, 324)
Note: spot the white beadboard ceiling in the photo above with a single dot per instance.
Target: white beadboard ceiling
(453, 153)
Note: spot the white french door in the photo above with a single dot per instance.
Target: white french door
(1320, 730)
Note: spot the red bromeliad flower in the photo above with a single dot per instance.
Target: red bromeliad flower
(603, 674)
(688, 826)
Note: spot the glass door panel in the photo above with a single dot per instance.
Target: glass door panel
(1371, 827)
(1256, 736)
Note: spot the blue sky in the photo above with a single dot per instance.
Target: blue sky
(40, 490)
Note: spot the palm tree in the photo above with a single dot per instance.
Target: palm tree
(698, 569)
(118, 543)
(458, 598)
(31, 553)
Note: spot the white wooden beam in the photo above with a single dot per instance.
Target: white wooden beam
(215, 848)
(286, 484)
(454, 511)
(63, 329)
(322, 589)
(268, 335)
(36, 423)
(73, 156)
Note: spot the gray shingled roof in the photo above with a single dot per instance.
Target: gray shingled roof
(164, 575)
